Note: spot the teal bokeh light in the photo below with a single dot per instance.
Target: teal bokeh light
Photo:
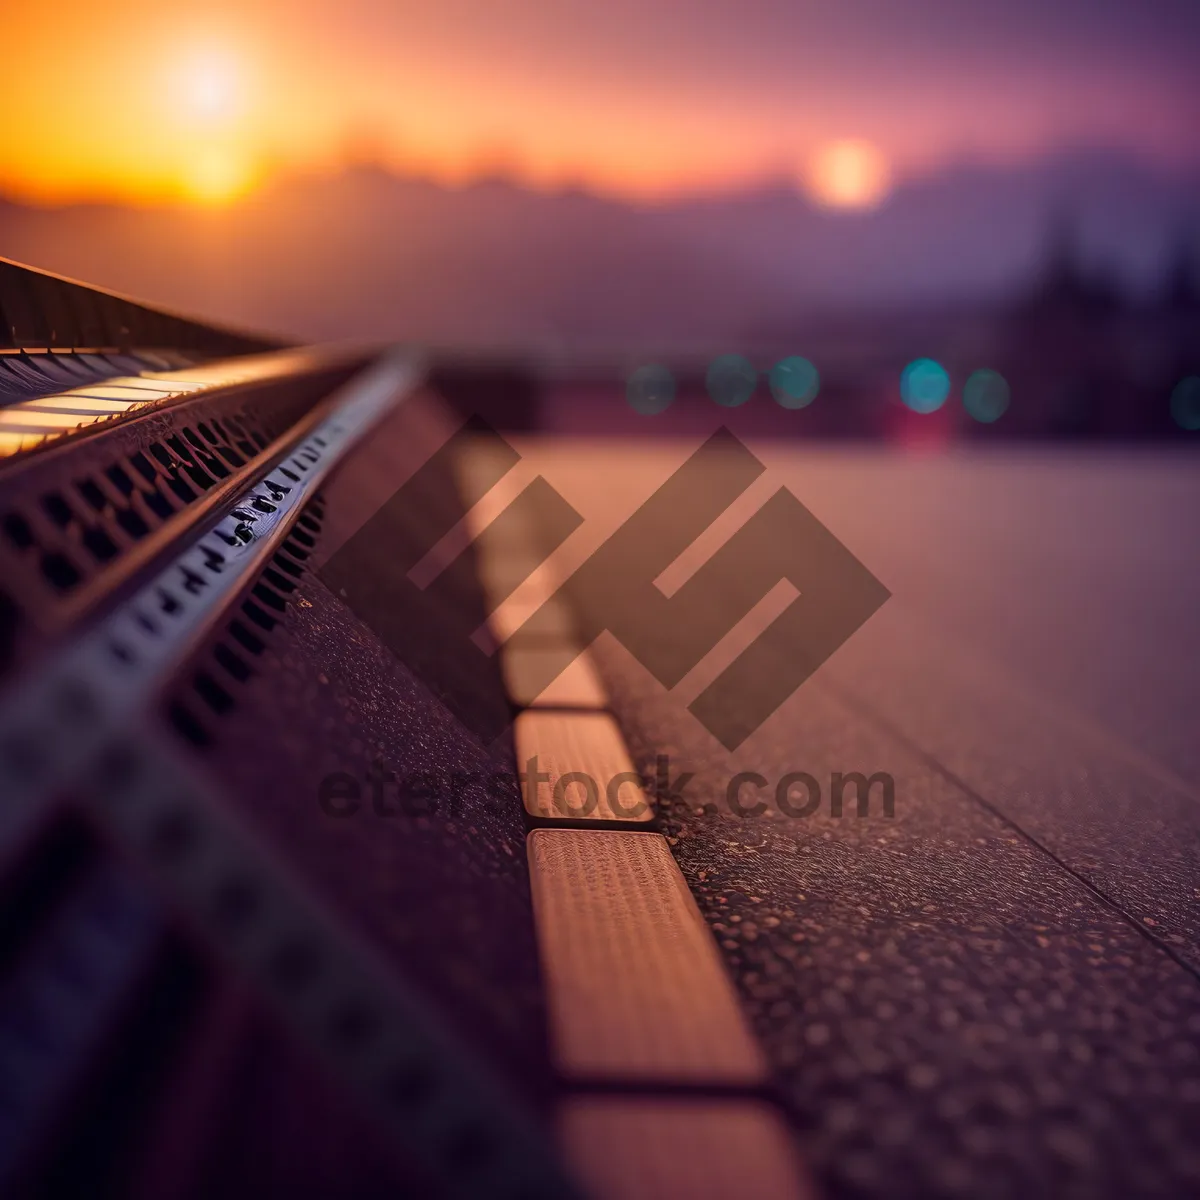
(1185, 403)
(986, 395)
(731, 379)
(650, 389)
(924, 385)
(794, 382)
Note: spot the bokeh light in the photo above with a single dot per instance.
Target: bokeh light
(924, 385)
(794, 382)
(849, 174)
(650, 389)
(1185, 403)
(731, 379)
(986, 395)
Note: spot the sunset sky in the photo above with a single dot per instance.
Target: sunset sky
(144, 100)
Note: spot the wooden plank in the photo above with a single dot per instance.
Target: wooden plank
(552, 677)
(583, 744)
(637, 990)
(555, 625)
(645, 1148)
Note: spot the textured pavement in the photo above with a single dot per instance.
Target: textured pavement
(993, 992)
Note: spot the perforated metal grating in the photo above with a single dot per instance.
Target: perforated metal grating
(208, 691)
(70, 516)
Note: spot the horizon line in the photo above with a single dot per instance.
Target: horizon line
(768, 180)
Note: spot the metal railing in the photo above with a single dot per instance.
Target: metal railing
(44, 312)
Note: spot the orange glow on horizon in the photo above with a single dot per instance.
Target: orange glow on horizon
(199, 107)
(152, 114)
(217, 176)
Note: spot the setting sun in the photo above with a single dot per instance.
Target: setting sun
(214, 160)
(849, 174)
(216, 175)
(208, 86)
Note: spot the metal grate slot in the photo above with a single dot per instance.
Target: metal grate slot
(194, 709)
